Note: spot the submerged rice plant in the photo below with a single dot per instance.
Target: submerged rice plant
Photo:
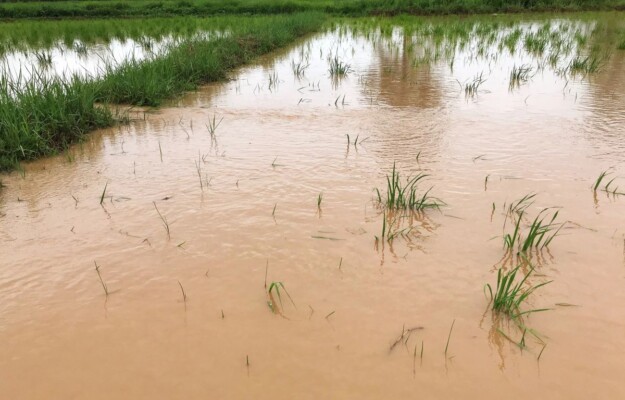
(299, 69)
(338, 68)
(585, 64)
(406, 196)
(610, 188)
(471, 88)
(520, 75)
(509, 294)
(275, 287)
(539, 234)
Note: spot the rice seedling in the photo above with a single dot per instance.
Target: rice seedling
(404, 336)
(608, 187)
(405, 196)
(449, 337)
(273, 80)
(319, 200)
(330, 314)
(273, 212)
(184, 294)
(44, 59)
(275, 287)
(266, 271)
(471, 88)
(103, 193)
(520, 75)
(163, 220)
(602, 176)
(160, 150)
(541, 352)
(97, 270)
(198, 168)
(338, 68)
(299, 69)
(539, 235)
(585, 65)
(509, 295)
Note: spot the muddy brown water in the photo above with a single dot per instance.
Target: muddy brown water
(275, 150)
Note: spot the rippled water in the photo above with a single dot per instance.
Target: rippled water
(242, 211)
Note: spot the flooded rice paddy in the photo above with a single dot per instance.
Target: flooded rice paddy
(137, 264)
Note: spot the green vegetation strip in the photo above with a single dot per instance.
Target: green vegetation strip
(143, 8)
(48, 114)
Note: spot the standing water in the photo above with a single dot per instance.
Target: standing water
(234, 244)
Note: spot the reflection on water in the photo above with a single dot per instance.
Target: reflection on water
(79, 59)
(242, 208)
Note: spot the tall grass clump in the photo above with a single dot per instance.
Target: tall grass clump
(45, 115)
(195, 61)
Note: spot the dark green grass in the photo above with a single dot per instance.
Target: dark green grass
(195, 62)
(45, 115)
(134, 8)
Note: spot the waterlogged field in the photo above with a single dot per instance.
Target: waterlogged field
(31, 50)
(387, 208)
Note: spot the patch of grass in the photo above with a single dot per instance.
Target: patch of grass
(585, 65)
(114, 8)
(44, 115)
(195, 61)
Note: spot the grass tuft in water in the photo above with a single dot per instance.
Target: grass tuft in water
(338, 68)
(541, 232)
(509, 294)
(406, 196)
(520, 75)
(275, 287)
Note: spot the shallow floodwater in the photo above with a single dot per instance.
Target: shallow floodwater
(241, 207)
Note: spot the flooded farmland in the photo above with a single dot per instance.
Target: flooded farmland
(245, 240)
